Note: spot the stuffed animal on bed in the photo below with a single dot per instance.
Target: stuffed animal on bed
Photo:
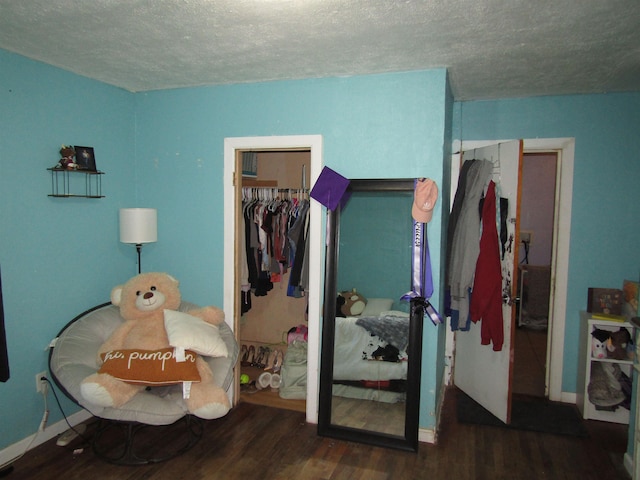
(158, 345)
(350, 303)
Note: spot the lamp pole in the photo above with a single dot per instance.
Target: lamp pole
(139, 249)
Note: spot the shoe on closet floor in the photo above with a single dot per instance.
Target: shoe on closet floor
(249, 388)
(262, 357)
(272, 361)
(276, 381)
(264, 381)
(277, 364)
(247, 357)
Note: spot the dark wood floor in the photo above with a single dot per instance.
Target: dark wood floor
(530, 352)
(260, 442)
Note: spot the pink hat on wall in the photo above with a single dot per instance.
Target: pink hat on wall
(424, 200)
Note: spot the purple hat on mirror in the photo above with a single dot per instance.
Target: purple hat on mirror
(330, 189)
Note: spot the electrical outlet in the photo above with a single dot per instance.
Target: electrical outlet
(526, 236)
(41, 385)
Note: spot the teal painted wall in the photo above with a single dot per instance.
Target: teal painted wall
(378, 126)
(59, 256)
(605, 231)
(165, 150)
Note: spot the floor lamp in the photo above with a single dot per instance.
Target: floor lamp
(138, 226)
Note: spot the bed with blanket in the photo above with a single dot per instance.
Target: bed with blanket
(370, 359)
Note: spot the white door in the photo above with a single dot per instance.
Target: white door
(479, 371)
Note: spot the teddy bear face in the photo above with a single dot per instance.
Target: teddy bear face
(145, 294)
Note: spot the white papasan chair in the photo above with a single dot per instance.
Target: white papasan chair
(72, 358)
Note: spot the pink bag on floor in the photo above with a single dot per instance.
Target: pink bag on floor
(299, 333)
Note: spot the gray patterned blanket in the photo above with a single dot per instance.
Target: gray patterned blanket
(390, 328)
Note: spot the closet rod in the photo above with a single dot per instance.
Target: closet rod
(303, 190)
(250, 182)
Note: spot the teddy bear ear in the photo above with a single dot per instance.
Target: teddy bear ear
(116, 295)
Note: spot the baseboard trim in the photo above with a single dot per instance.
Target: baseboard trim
(568, 397)
(12, 452)
(628, 464)
(426, 435)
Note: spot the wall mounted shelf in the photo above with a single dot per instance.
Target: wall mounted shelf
(61, 183)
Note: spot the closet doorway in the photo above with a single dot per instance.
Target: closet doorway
(234, 232)
(274, 294)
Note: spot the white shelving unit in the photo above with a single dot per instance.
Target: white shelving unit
(636, 428)
(588, 409)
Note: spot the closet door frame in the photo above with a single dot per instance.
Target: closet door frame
(232, 206)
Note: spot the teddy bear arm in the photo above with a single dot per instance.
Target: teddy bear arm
(210, 314)
(114, 342)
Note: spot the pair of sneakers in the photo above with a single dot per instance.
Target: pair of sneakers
(268, 379)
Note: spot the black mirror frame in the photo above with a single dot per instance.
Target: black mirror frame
(408, 442)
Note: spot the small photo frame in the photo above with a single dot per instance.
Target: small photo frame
(605, 300)
(85, 158)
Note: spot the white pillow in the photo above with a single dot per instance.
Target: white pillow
(193, 333)
(375, 306)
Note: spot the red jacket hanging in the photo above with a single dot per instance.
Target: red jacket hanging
(486, 298)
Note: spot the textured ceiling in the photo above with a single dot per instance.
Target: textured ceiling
(492, 48)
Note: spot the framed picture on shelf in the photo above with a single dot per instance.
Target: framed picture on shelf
(605, 300)
(85, 158)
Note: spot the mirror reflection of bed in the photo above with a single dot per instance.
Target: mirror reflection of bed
(369, 375)
(370, 355)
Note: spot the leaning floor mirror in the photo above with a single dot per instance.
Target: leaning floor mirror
(371, 339)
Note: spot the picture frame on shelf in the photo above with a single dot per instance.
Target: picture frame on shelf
(85, 158)
(605, 300)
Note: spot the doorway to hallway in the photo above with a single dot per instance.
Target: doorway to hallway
(537, 212)
(565, 149)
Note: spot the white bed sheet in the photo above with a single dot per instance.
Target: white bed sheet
(351, 341)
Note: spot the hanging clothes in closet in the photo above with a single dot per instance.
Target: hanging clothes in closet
(276, 226)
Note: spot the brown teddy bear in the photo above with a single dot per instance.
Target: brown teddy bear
(158, 345)
(618, 343)
(67, 153)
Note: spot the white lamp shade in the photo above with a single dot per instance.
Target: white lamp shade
(138, 225)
